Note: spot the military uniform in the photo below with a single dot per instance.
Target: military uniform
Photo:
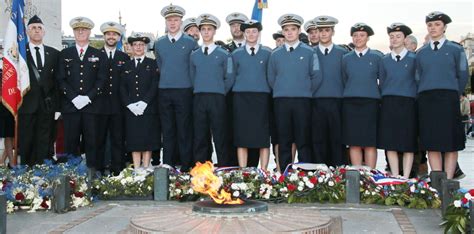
(110, 118)
(81, 79)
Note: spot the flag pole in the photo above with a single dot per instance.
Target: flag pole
(15, 143)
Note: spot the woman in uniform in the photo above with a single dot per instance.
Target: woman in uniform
(397, 124)
(443, 72)
(138, 90)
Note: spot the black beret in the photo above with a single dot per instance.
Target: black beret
(138, 37)
(251, 24)
(399, 27)
(35, 20)
(437, 15)
(362, 27)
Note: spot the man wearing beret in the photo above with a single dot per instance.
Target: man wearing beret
(110, 118)
(81, 76)
(36, 114)
(172, 52)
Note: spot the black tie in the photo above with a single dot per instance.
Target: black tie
(326, 51)
(138, 62)
(173, 40)
(39, 63)
(240, 44)
(436, 43)
(291, 49)
(205, 50)
(398, 58)
(110, 55)
(253, 51)
(360, 54)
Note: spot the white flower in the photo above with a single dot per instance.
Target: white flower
(305, 179)
(309, 184)
(310, 173)
(331, 183)
(149, 188)
(412, 188)
(320, 179)
(30, 195)
(190, 191)
(234, 186)
(294, 177)
(266, 196)
(178, 191)
(468, 196)
(301, 183)
(186, 177)
(123, 181)
(373, 193)
(243, 186)
(457, 203)
(300, 188)
(10, 207)
(106, 192)
(236, 194)
(422, 191)
(283, 190)
(367, 192)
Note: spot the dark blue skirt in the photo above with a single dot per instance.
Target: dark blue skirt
(397, 130)
(359, 121)
(251, 119)
(439, 119)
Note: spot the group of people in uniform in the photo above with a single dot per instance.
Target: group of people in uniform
(316, 98)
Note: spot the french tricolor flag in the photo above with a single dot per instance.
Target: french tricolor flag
(15, 76)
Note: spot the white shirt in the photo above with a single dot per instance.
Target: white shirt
(107, 50)
(33, 53)
(211, 47)
(242, 43)
(247, 47)
(78, 48)
(441, 42)
(323, 48)
(363, 52)
(175, 37)
(294, 45)
(402, 54)
(141, 59)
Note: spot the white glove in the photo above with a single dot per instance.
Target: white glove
(57, 115)
(78, 102)
(133, 108)
(86, 99)
(142, 106)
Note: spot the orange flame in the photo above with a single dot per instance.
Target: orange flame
(204, 181)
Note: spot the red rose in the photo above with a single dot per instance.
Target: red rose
(321, 173)
(246, 174)
(301, 174)
(79, 194)
(19, 196)
(337, 179)
(177, 184)
(313, 180)
(471, 192)
(464, 200)
(281, 179)
(44, 204)
(342, 170)
(291, 187)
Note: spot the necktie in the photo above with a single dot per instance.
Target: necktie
(138, 62)
(436, 43)
(39, 63)
(206, 50)
(326, 51)
(360, 54)
(110, 55)
(173, 40)
(398, 58)
(81, 53)
(253, 51)
(240, 44)
(291, 49)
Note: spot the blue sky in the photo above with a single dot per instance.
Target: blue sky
(144, 15)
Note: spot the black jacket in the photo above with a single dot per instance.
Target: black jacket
(43, 93)
(109, 96)
(76, 77)
(141, 84)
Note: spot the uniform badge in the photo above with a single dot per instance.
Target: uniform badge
(301, 58)
(93, 59)
(68, 60)
(261, 61)
(184, 47)
(370, 63)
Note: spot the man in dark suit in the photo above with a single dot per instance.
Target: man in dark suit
(110, 118)
(81, 76)
(36, 114)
